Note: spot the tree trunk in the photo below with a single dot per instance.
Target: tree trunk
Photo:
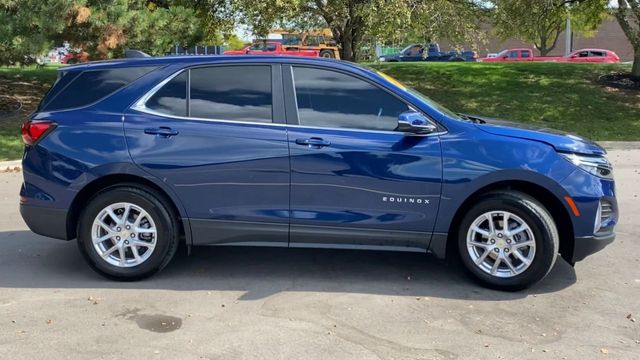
(544, 51)
(635, 70)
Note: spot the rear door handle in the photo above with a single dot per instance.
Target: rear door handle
(162, 131)
(313, 142)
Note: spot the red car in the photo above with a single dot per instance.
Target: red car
(592, 56)
(74, 58)
(272, 48)
(584, 55)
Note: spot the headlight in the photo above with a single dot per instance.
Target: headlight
(596, 165)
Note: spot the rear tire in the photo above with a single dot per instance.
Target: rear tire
(127, 232)
(512, 257)
(327, 54)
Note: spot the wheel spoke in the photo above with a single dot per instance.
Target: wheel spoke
(136, 255)
(482, 257)
(507, 260)
(479, 244)
(492, 228)
(125, 214)
(496, 264)
(505, 221)
(145, 231)
(144, 243)
(480, 231)
(519, 245)
(113, 216)
(103, 238)
(521, 257)
(106, 227)
(123, 257)
(517, 230)
(110, 251)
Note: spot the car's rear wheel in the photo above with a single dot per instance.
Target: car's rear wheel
(508, 240)
(327, 54)
(127, 233)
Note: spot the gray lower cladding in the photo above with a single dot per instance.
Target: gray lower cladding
(243, 233)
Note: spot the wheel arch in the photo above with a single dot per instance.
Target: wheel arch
(546, 197)
(90, 189)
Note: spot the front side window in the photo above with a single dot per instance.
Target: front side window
(332, 99)
(238, 93)
(513, 54)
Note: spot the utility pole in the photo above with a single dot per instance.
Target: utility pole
(568, 35)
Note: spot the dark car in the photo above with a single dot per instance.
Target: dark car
(133, 157)
(417, 52)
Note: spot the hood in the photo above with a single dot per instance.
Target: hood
(561, 141)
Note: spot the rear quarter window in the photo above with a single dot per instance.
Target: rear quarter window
(90, 86)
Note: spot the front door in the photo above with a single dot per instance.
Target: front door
(221, 149)
(354, 180)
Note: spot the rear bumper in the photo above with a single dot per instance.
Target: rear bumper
(585, 246)
(46, 221)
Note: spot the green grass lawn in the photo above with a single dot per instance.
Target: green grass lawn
(560, 96)
(27, 85)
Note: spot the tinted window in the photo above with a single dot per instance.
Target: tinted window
(526, 54)
(171, 99)
(333, 99)
(241, 93)
(93, 85)
(597, 53)
(513, 54)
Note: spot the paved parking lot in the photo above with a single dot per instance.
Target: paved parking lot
(230, 303)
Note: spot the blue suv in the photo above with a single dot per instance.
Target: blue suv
(133, 157)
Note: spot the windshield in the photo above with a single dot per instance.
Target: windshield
(502, 53)
(421, 96)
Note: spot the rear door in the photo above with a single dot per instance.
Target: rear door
(216, 134)
(354, 180)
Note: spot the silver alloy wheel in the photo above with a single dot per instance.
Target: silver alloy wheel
(501, 244)
(124, 234)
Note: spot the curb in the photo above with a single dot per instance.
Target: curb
(10, 166)
(620, 145)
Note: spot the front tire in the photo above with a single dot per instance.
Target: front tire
(508, 240)
(127, 233)
(327, 54)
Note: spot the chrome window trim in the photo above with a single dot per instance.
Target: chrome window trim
(140, 106)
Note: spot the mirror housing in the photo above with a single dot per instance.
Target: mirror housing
(414, 122)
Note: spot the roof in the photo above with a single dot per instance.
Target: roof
(205, 59)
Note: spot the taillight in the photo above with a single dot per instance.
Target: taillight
(33, 130)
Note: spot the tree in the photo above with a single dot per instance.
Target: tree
(28, 26)
(353, 21)
(541, 21)
(628, 15)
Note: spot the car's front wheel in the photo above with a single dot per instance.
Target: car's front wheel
(127, 233)
(508, 240)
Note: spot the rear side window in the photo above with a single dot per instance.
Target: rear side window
(171, 99)
(238, 93)
(526, 54)
(93, 85)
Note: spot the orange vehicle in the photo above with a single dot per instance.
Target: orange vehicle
(319, 40)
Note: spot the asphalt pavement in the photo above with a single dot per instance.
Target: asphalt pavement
(248, 303)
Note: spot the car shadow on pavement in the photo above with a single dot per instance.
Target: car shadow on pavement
(31, 261)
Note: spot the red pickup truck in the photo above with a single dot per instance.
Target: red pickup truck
(583, 55)
(272, 48)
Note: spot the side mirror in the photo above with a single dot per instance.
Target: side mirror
(415, 123)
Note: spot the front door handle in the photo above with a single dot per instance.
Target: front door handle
(161, 131)
(313, 142)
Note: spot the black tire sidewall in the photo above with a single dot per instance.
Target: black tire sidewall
(545, 248)
(323, 52)
(165, 225)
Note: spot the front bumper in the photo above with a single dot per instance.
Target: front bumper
(587, 245)
(45, 221)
